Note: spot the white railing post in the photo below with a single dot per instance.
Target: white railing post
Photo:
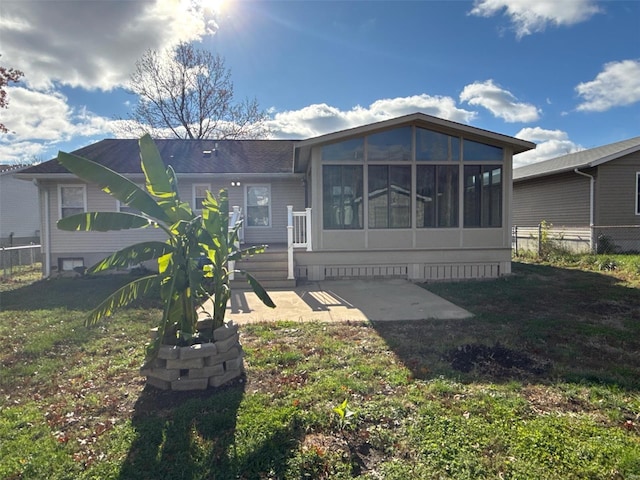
(308, 228)
(290, 275)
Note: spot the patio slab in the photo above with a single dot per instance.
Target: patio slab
(345, 300)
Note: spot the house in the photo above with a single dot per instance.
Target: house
(596, 191)
(416, 197)
(19, 212)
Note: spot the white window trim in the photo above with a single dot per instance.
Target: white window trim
(74, 185)
(193, 194)
(246, 204)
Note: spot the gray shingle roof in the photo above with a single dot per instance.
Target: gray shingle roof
(187, 156)
(583, 159)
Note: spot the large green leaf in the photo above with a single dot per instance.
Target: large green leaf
(259, 290)
(158, 182)
(102, 222)
(132, 255)
(123, 297)
(114, 184)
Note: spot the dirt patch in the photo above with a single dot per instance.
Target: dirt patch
(497, 361)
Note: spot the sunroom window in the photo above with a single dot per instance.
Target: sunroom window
(436, 146)
(342, 197)
(436, 196)
(392, 145)
(389, 196)
(482, 196)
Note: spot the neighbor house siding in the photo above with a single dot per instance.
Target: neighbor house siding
(19, 213)
(616, 192)
(562, 200)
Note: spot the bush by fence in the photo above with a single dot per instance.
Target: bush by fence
(545, 237)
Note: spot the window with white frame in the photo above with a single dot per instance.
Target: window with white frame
(637, 193)
(199, 194)
(258, 206)
(73, 199)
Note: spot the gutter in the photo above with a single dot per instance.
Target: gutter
(592, 183)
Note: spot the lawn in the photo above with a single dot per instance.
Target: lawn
(543, 383)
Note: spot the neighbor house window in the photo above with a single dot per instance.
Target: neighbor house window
(389, 196)
(392, 145)
(436, 196)
(476, 151)
(73, 199)
(482, 196)
(258, 206)
(637, 193)
(199, 194)
(69, 264)
(342, 197)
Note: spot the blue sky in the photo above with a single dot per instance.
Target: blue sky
(562, 73)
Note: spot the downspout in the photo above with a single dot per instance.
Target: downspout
(47, 234)
(592, 190)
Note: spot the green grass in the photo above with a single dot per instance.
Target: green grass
(73, 406)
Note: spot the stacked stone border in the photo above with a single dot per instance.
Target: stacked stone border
(199, 366)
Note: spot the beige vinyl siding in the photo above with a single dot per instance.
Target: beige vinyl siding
(18, 208)
(562, 200)
(616, 192)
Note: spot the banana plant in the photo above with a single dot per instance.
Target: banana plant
(193, 262)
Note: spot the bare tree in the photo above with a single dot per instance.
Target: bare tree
(7, 75)
(188, 93)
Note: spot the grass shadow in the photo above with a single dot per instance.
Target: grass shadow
(554, 323)
(196, 435)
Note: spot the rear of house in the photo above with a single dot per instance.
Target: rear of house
(415, 197)
(592, 197)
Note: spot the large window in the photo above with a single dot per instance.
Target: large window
(482, 196)
(389, 196)
(392, 145)
(342, 196)
(475, 151)
(258, 205)
(436, 146)
(347, 151)
(436, 196)
(73, 199)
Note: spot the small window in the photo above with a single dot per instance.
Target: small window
(73, 200)
(480, 152)
(70, 264)
(637, 193)
(390, 146)
(199, 194)
(258, 206)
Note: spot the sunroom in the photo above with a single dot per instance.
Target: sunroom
(415, 197)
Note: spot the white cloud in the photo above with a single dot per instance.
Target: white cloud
(91, 44)
(500, 102)
(550, 144)
(616, 85)
(38, 121)
(533, 16)
(319, 119)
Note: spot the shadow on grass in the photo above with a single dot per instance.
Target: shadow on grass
(542, 323)
(63, 293)
(196, 435)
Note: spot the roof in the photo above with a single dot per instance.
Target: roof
(303, 148)
(583, 159)
(186, 156)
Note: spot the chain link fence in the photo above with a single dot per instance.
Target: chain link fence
(15, 259)
(596, 239)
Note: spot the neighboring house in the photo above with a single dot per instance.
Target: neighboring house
(19, 209)
(597, 190)
(415, 197)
